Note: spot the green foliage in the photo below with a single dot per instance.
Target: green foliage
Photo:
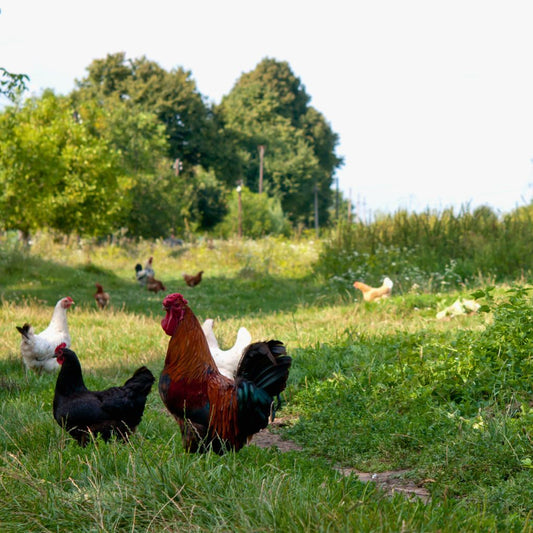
(457, 406)
(103, 155)
(171, 96)
(431, 251)
(12, 85)
(55, 171)
(260, 215)
(269, 106)
(210, 199)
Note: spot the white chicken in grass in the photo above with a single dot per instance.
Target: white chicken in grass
(227, 361)
(38, 350)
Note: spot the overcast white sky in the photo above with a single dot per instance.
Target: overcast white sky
(432, 100)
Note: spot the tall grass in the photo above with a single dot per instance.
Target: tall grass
(434, 250)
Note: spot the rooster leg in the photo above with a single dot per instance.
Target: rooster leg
(191, 435)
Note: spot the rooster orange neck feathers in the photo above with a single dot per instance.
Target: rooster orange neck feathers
(180, 318)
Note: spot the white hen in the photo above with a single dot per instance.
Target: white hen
(37, 350)
(227, 360)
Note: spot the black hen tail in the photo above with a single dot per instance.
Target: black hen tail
(141, 381)
(266, 364)
(24, 330)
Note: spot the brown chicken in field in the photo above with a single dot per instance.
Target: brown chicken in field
(213, 411)
(154, 285)
(371, 294)
(192, 281)
(101, 297)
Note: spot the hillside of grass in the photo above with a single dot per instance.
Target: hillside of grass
(374, 387)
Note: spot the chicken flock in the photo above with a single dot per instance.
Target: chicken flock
(219, 398)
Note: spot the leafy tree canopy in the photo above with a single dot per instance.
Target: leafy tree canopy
(171, 96)
(11, 84)
(56, 171)
(103, 158)
(269, 106)
(259, 215)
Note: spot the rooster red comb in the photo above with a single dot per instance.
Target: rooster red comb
(59, 349)
(174, 300)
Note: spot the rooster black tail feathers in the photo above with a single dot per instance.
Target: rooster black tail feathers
(267, 365)
(261, 376)
(141, 381)
(24, 330)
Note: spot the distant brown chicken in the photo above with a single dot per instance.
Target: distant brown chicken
(102, 298)
(375, 293)
(154, 285)
(192, 281)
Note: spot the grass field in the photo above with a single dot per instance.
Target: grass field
(373, 387)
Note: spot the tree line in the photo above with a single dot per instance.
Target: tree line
(137, 147)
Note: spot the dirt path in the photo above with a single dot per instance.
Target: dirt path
(392, 481)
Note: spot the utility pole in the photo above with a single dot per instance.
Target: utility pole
(316, 210)
(261, 155)
(239, 190)
(337, 201)
(177, 166)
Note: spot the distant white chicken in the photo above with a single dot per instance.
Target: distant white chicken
(227, 360)
(459, 307)
(37, 350)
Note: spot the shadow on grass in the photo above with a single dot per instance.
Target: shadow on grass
(27, 278)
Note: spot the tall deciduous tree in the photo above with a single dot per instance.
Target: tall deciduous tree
(57, 171)
(269, 106)
(172, 96)
(193, 141)
(156, 196)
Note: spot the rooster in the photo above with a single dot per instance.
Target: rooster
(102, 298)
(371, 294)
(227, 360)
(213, 411)
(192, 281)
(154, 285)
(81, 412)
(142, 274)
(37, 350)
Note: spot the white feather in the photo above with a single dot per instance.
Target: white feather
(227, 361)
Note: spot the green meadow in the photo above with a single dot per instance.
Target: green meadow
(446, 405)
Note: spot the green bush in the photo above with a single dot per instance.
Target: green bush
(431, 251)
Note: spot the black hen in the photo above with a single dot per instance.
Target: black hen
(115, 411)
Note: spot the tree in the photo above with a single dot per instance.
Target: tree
(171, 96)
(260, 215)
(151, 207)
(210, 199)
(12, 85)
(56, 172)
(269, 106)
